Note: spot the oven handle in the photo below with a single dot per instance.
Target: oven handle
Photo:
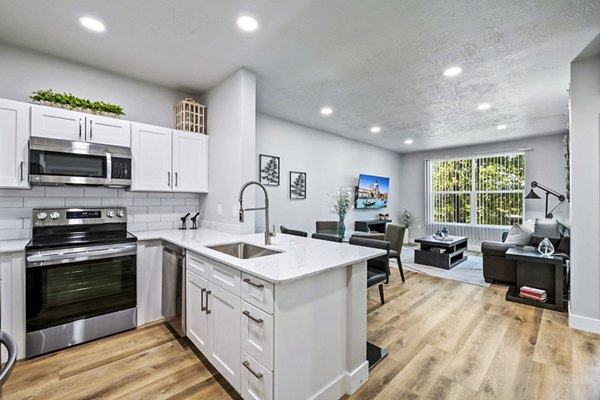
(78, 255)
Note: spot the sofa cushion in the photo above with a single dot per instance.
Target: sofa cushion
(495, 248)
(547, 228)
(519, 235)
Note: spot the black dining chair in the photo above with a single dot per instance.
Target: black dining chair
(378, 269)
(395, 235)
(323, 236)
(293, 232)
(11, 349)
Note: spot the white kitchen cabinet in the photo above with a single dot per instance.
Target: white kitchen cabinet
(149, 281)
(56, 123)
(197, 319)
(190, 160)
(12, 299)
(166, 160)
(257, 381)
(151, 158)
(14, 135)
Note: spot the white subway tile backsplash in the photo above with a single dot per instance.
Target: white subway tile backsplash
(61, 191)
(40, 202)
(11, 202)
(146, 202)
(172, 202)
(146, 211)
(84, 202)
(159, 225)
(117, 202)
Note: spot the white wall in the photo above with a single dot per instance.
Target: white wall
(330, 161)
(23, 71)
(585, 191)
(545, 164)
(231, 112)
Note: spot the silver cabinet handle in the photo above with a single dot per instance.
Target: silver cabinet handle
(21, 171)
(168, 179)
(176, 178)
(202, 306)
(208, 292)
(256, 285)
(257, 320)
(91, 125)
(79, 128)
(246, 364)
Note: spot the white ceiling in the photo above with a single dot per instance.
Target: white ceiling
(375, 62)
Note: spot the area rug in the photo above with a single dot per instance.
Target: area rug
(470, 271)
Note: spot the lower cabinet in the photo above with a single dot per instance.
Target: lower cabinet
(235, 336)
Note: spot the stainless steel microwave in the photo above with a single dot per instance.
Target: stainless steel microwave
(65, 162)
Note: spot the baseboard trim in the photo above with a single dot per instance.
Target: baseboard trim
(334, 390)
(583, 323)
(357, 378)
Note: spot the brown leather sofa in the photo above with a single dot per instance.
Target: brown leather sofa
(497, 268)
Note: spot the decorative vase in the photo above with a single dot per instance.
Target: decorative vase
(341, 228)
(444, 232)
(546, 248)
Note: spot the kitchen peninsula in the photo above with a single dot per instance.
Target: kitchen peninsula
(291, 325)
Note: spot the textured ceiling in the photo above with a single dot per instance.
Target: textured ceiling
(375, 62)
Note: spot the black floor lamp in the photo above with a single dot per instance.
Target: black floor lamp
(534, 195)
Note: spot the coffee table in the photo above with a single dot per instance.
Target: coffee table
(452, 251)
(535, 270)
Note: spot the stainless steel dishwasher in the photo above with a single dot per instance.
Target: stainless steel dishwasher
(173, 287)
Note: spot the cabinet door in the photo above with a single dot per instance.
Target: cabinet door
(14, 134)
(110, 131)
(56, 123)
(197, 320)
(151, 158)
(225, 349)
(190, 162)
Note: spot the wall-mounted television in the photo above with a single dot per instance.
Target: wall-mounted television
(372, 191)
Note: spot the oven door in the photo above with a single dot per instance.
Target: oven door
(73, 284)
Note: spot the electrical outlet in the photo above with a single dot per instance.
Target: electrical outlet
(219, 209)
(234, 213)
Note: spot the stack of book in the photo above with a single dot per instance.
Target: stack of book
(533, 294)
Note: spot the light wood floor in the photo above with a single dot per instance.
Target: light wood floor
(447, 340)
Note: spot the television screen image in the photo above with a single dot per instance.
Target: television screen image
(372, 191)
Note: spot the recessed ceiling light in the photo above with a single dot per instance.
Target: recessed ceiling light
(408, 141)
(247, 23)
(453, 71)
(501, 127)
(484, 106)
(375, 129)
(326, 110)
(92, 24)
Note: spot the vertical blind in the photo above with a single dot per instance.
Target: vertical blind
(478, 196)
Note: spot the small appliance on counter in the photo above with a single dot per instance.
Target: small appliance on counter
(80, 277)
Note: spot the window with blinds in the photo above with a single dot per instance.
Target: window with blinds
(484, 190)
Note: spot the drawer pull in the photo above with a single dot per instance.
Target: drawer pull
(257, 320)
(256, 285)
(202, 306)
(208, 311)
(246, 364)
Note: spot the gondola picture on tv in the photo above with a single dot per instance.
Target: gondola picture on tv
(372, 191)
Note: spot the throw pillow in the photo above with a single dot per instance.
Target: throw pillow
(519, 235)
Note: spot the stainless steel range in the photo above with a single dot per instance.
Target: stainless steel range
(80, 277)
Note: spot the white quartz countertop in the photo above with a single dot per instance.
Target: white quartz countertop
(300, 257)
(11, 246)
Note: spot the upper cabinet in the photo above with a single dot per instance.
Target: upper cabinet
(14, 135)
(57, 123)
(168, 160)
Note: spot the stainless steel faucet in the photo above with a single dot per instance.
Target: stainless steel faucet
(268, 235)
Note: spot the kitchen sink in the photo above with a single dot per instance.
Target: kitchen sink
(243, 250)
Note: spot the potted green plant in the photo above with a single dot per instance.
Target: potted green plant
(408, 220)
(341, 202)
(68, 101)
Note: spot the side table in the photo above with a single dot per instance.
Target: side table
(540, 272)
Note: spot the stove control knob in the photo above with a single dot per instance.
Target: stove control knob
(55, 215)
(42, 216)
(110, 214)
(120, 213)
